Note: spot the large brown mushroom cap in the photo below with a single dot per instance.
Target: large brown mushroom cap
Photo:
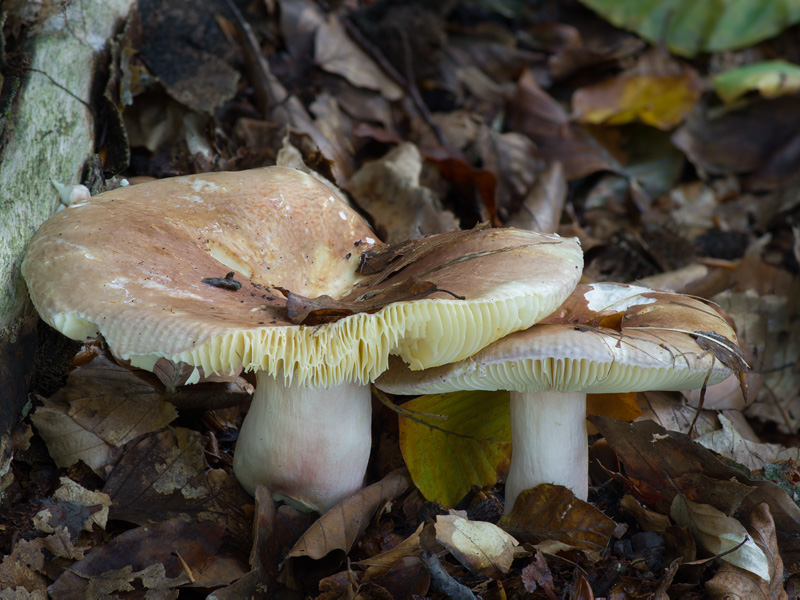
(604, 338)
(129, 264)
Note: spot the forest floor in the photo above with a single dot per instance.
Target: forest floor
(431, 117)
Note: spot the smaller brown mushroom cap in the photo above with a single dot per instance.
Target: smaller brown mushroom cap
(604, 338)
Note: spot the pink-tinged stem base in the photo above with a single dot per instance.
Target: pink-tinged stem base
(550, 443)
(308, 446)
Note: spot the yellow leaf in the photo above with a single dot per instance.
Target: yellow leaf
(471, 446)
(622, 406)
(660, 101)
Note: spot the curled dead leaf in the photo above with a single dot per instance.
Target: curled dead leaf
(721, 535)
(552, 512)
(482, 547)
(341, 526)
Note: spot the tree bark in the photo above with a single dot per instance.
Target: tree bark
(49, 135)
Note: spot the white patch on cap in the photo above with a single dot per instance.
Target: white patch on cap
(369, 240)
(342, 215)
(603, 296)
(199, 185)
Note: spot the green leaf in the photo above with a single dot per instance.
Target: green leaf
(446, 457)
(771, 78)
(688, 27)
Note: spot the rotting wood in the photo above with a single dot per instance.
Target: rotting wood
(48, 136)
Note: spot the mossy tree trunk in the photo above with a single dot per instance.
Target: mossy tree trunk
(49, 135)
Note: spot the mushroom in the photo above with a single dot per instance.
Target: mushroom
(268, 271)
(605, 338)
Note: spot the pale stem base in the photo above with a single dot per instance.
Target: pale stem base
(550, 443)
(309, 447)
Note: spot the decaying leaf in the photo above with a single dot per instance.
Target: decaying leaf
(753, 455)
(650, 454)
(340, 527)
(76, 493)
(381, 563)
(324, 309)
(155, 556)
(472, 444)
(482, 547)
(535, 113)
(720, 535)
(552, 512)
(383, 261)
(401, 208)
(161, 476)
(730, 580)
(23, 568)
(648, 520)
(622, 406)
(660, 101)
(334, 51)
(102, 407)
(537, 574)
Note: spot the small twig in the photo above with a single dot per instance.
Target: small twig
(442, 581)
(700, 404)
(268, 90)
(407, 82)
(185, 567)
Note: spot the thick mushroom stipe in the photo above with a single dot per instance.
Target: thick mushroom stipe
(314, 438)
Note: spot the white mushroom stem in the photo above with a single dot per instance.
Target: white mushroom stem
(550, 443)
(309, 446)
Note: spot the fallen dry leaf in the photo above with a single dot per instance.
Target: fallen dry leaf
(535, 113)
(648, 520)
(151, 556)
(671, 411)
(482, 547)
(650, 454)
(537, 574)
(621, 406)
(733, 581)
(380, 563)
(401, 208)
(720, 535)
(660, 101)
(335, 52)
(552, 512)
(542, 206)
(407, 578)
(98, 501)
(341, 526)
(102, 407)
(163, 475)
(730, 443)
(23, 569)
